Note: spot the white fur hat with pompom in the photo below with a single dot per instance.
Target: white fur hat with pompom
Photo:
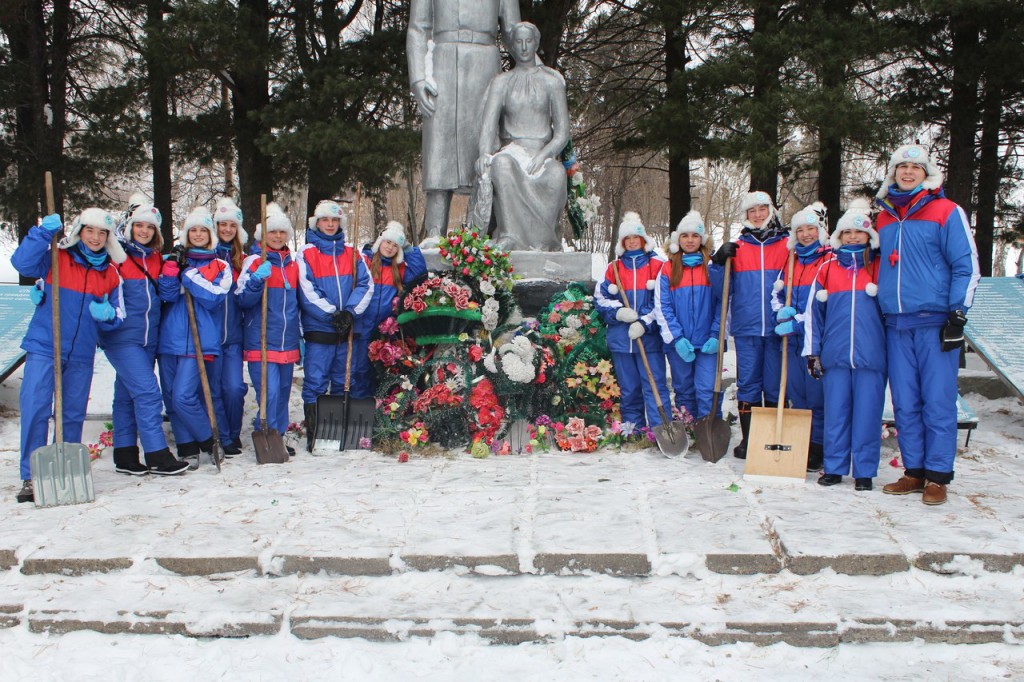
(327, 209)
(816, 215)
(691, 223)
(395, 232)
(227, 211)
(857, 217)
(198, 217)
(631, 226)
(277, 221)
(758, 198)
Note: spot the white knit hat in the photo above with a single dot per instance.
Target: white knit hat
(758, 198)
(328, 209)
(857, 217)
(632, 227)
(277, 221)
(395, 232)
(911, 153)
(815, 214)
(98, 218)
(198, 217)
(690, 224)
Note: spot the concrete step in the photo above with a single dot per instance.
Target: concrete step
(821, 611)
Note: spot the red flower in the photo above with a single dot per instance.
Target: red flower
(475, 353)
(469, 259)
(465, 271)
(403, 457)
(419, 306)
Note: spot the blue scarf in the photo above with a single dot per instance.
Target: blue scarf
(94, 258)
(900, 198)
(854, 256)
(692, 260)
(807, 254)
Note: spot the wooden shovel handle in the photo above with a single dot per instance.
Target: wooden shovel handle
(643, 351)
(785, 353)
(58, 388)
(355, 275)
(263, 316)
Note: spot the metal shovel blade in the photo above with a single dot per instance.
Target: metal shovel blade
(269, 447)
(519, 436)
(62, 474)
(672, 439)
(713, 436)
(330, 417)
(358, 422)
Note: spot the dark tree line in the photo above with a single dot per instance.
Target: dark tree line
(286, 95)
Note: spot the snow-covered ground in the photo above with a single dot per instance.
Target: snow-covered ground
(516, 512)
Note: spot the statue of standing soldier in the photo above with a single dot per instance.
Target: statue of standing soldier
(449, 87)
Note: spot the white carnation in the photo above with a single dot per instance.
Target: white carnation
(574, 322)
(517, 369)
(492, 304)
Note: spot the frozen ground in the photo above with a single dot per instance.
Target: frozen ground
(539, 567)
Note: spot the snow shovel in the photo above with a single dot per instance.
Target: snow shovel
(357, 414)
(201, 362)
(268, 442)
(779, 437)
(713, 432)
(61, 472)
(672, 439)
(519, 436)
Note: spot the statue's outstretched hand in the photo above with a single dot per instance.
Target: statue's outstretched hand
(425, 93)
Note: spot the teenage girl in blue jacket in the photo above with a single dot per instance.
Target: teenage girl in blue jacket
(90, 301)
(393, 265)
(279, 273)
(195, 269)
(226, 377)
(845, 347)
(638, 270)
(688, 308)
(808, 240)
(131, 350)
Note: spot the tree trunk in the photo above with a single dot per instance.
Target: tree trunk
(830, 142)
(550, 17)
(988, 175)
(763, 142)
(678, 154)
(160, 132)
(963, 119)
(249, 96)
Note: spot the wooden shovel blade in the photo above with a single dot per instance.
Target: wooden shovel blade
(713, 436)
(269, 447)
(783, 454)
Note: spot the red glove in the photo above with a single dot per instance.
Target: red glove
(170, 269)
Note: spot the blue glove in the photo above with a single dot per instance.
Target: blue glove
(710, 347)
(52, 223)
(685, 350)
(102, 311)
(263, 271)
(36, 295)
(787, 313)
(785, 329)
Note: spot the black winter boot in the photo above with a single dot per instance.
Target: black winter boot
(126, 461)
(190, 453)
(26, 494)
(740, 451)
(310, 411)
(163, 463)
(815, 457)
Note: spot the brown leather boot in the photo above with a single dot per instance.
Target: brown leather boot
(904, 486)
(934, 493)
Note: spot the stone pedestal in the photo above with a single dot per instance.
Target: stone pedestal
(544, 274)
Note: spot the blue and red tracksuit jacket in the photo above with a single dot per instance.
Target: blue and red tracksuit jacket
(638, 272)
(81, 283)
(929, 262)
(690, 309)
(282, 307)
(230, 312)
(844, 326)
(412, 267)
(805, 269)
(326, 282)
(208, 279)
(139, 274)
(754, 271)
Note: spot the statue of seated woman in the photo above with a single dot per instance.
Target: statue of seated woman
(525, 127)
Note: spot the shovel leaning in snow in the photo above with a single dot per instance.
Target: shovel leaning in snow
(779, 437)
(713, 432)
(671, 436)
(204, 380)
(268, 442)
(61, 472)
